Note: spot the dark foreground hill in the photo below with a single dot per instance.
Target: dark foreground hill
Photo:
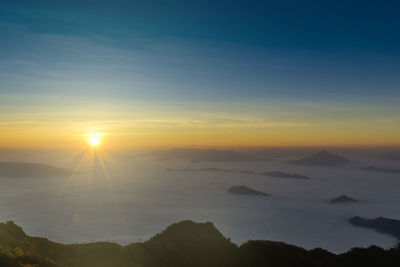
(181, 245)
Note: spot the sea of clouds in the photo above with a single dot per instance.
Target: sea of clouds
(137, 197)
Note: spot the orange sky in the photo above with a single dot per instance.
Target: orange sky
(136, 125)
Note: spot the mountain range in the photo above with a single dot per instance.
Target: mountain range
(322, 158)
(180, 245)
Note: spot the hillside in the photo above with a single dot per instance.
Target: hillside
(182, 244)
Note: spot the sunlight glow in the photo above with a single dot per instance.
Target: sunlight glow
(94, 140)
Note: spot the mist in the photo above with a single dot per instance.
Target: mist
(136, 195)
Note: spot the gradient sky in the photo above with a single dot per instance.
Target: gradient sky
(223, 73)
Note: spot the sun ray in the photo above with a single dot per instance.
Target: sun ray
(93, 158)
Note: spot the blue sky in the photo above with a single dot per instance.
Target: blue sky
(258, 57)
(222, 50)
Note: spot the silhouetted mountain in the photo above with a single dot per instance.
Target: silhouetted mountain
(208, 170)
(378, 169)
(343, 199)
(244, 190)
(23, 169)
(392, 156)
(182, 244)
(186, 243)
(285, 175)
(322, 158)
(383, 225)
(246, 172)
(199, 170)
(198, 155)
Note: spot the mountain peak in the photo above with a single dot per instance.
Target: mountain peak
(322, 158)
(343, 199)
(189, 230)
(323, 153)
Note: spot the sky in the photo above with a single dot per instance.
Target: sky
(199, 73)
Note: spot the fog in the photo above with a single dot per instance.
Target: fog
(136, 197)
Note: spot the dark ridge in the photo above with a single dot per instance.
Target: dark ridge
(285, 175)
(378, 169)
(244, 190)
(184, 230)
(322, 158)
(199, 155)
(383, 225)
(246, 172)
(199, 170)
(343, 199)
(180, 245)
(23, 169)
(208, 170)
(391, 157)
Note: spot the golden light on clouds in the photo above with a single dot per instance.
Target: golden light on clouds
(122, 127)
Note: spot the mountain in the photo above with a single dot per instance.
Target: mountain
(23, 169)
(180, 245)
(383, 225)
(391, 156)
(208, 170)
(199, 170)
(343, 199)
(379, 169)
(199, 155)
(244, 190)
(190, 244)
(285, 175)
(322, 158)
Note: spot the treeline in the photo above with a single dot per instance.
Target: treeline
(184, 244)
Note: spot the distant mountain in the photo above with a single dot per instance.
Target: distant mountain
(246, 172)
(343, 199)
(322, 158)
(392, 156)
(285, 175)
(23, 169)
(208, 170)
(378, 169)
(198, 155)
(244, 190)
(182, 244)
(383, 225)
(199, 170)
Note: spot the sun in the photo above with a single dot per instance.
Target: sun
(94, 141)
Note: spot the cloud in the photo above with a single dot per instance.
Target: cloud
(198, 124)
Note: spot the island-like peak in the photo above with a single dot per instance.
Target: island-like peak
(322, 158)
(244, 190)
(29, 169)
(343, 199)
